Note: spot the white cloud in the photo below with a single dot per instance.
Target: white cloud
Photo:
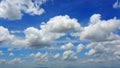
(80, 48)
(105, 49)
(11, 54)
(1, 53)
(90, 52)
(5, 35)
(32, 55)
(12, 10)
(44, 57)
(67, 46)
(116, 4)
(95, 18)
(56, 56)
(62, 24)
(15, 60)
(99, 30)
(69, 55)
(38, 55)
(114, 43)
(40, 38)
(21, 42)
(98, 50)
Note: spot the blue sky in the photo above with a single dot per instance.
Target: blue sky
(60, 33)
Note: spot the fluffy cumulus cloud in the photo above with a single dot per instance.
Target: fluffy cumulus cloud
(90, 52)
(12, 10)
(69, 55)
(116, 4)
(104, 49)
(56, 56)
(5, 35)
(40, 38)
(100, 30)
(67, 46)
(80, 48)
(62, 24)
(37, 55)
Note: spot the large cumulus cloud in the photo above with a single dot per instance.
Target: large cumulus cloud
(12, 10)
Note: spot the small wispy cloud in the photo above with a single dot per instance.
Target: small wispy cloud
(116, 4)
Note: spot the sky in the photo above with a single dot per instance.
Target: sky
(59, 33)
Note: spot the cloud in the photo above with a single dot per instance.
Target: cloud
(11, 54)
(62, 24)
(5, 35)
(56, 56)
(80, 48)
(40, 58)
(1, 53)
(32, 55)
(67, 46)
(12, 10)
(40, 38)
(97, 49)
(99, 30)
(116, 4)
(15, 61)
(38, 55)
(91, 52)
(69, 55)
(44, 57)
(105, 49)
(95, 18)
(117, 54)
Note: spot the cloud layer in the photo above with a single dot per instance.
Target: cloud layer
(102, 35)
